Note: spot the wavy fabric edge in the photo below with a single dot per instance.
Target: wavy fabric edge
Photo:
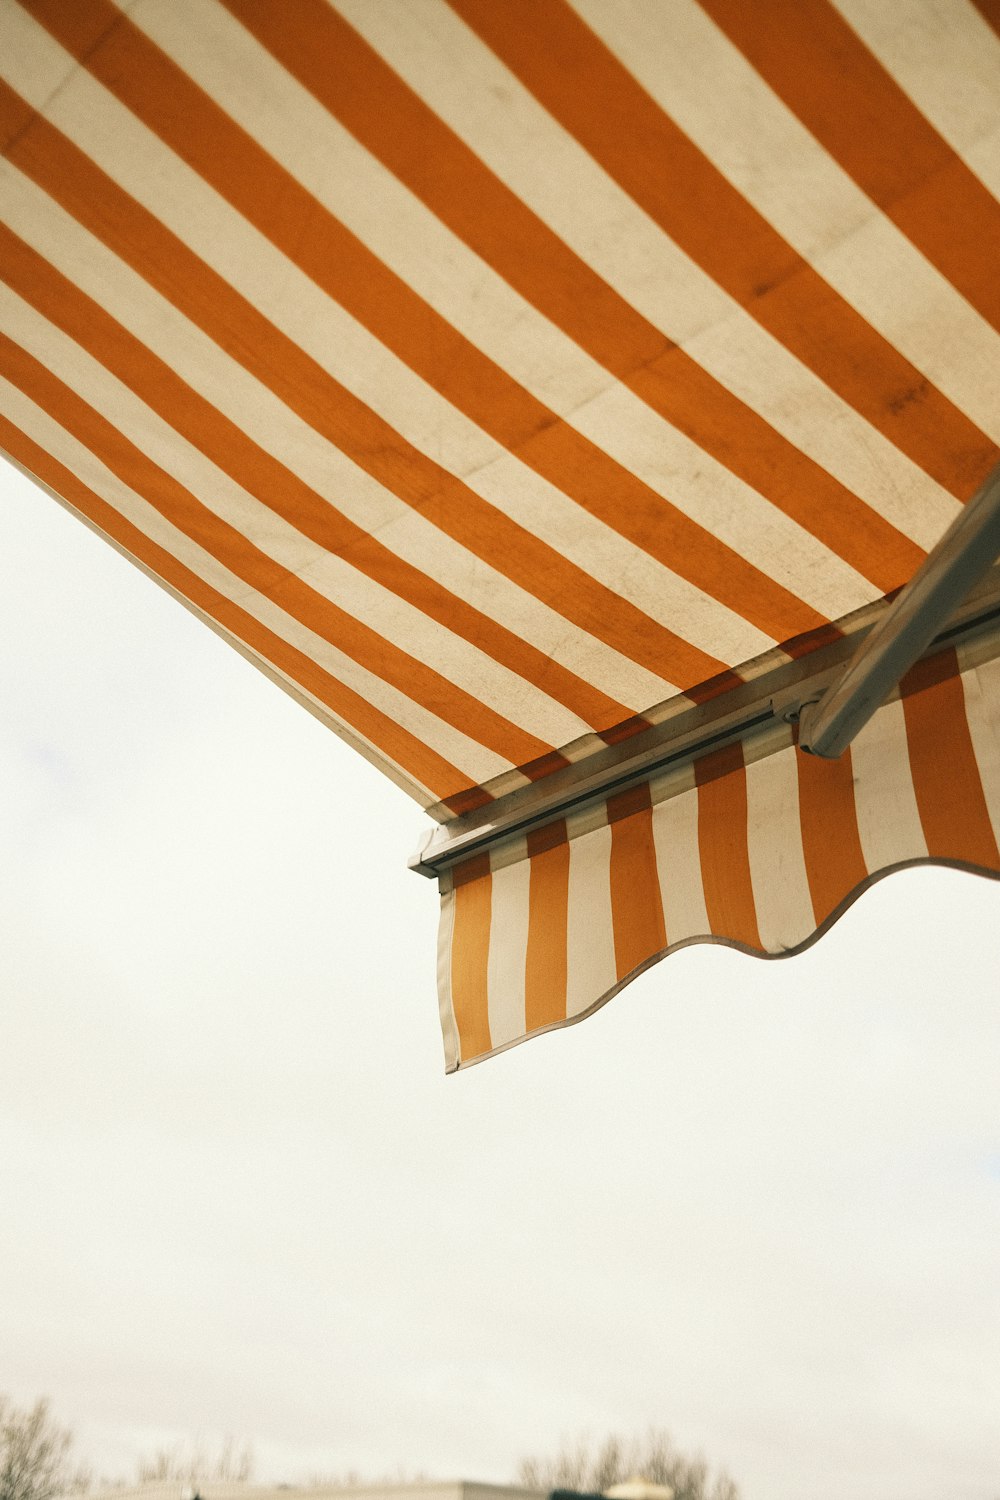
(756, 846)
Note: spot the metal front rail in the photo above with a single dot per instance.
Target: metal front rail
(777, 695)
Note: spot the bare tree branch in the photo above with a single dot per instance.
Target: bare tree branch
(652, 1457)
(195, 1466)
(35, 1454)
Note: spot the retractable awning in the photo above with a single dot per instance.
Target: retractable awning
(553, 397)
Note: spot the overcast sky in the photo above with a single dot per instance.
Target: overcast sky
(755, 1203)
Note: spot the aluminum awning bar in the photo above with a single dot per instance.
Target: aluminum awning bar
(783, 693)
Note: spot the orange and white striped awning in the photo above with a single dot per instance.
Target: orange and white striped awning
(518, 382)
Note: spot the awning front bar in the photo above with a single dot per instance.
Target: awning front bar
(778, 694)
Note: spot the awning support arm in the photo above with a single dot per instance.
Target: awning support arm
(965, 552)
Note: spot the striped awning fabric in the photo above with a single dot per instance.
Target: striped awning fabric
(754, 845)
(506, 377)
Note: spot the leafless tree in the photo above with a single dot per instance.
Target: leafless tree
(578, 1466)
(35, 1454)
(233, 1462)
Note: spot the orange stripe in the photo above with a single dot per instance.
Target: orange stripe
(64, 172)
(467, 800)
(857, 111)
(722, 841)
(831, 844)
(153, 382)
(585, 87)
(470, 953)
(193, 126)
(548, 907)
(636, 907)
(406, 750)
(946, 779)
(990, 12)
(350, 79)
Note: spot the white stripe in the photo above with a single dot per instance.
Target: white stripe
(590, 944)
(467, 85)
(761, 147)
(269, 424)
(889, 823)
(916, 308)
(140, 163)
(507, 964)
(947, 58)
(446, 1005)
(678, 867)
(243, 78)
(43, 67)
(778, 875)
(981, 687)
(465, 754)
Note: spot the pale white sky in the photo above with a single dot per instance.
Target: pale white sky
(757, 1204)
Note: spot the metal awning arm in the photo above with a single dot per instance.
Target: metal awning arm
(965, 552)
